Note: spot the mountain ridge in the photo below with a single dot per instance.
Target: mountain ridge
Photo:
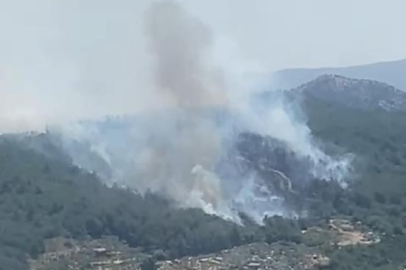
(389, 72)
(357, 93)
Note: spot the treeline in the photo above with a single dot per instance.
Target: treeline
(377, 138)
(376, 195)
(42, 198)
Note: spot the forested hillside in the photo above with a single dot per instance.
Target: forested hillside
(42, 196)
(377, 192)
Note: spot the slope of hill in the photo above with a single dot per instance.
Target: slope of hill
(388, 72)
(354, 93)
(347, 114)
(376, 136)
(43, 196)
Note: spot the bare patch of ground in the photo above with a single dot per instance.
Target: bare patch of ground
(341, 232)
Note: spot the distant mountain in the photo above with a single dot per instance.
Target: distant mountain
(355, 93)
(388, 72)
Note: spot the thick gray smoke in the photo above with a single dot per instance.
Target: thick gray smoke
(179, 158)
(183, 150)
(181, 46)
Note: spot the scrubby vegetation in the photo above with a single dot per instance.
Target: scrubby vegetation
(377, 194)
(43, 197)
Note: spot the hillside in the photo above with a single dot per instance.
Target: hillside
(387, 72)
(353, 93)
(45, 197)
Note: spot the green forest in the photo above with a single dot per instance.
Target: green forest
(42, 197)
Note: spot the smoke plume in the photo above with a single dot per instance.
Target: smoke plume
(188, 149)
(181, 45)
(202, 137)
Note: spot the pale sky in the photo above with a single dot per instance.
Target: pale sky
(89, 57)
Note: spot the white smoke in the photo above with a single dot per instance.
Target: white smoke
(176, 150)
(196, 94)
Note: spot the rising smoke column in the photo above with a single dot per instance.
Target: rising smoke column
(182, 47)
(179, 150)
(178, 159)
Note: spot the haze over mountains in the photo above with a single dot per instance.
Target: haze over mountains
(258, 171)
(392, 73)
(47, 192)
(154, 127)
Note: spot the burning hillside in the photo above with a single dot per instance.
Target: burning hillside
(214, 146)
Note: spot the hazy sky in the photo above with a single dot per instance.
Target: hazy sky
(90, 57)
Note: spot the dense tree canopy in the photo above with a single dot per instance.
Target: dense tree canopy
(43, 196)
